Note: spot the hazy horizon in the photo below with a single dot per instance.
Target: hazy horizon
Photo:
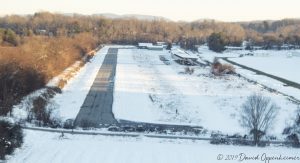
(187, 10)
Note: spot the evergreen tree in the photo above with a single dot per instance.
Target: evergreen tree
(169, 47)
(216, 42)
(11, 37)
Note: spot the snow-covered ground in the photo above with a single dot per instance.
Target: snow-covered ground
(73, 94)
(209, 55)
(68, 103)
(147, 90)
(283, 64)
(278, 63)
(47, 147)
(271, 83)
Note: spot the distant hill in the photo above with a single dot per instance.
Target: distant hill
(206, 20)
(136, 16)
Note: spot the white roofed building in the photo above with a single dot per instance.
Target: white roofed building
(156, 47)
(144, 45)
(234, 47)
(182, 56)
(150, 46)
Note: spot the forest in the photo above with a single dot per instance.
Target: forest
(35, 48)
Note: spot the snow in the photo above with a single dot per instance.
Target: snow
(52, 148)
(67, 104)
(55, 81)
(146, 90)
(272, 83)
(282, 63)
(182, 54)
(278, 63)
(20, 111)
(73, 94)
(209, 55)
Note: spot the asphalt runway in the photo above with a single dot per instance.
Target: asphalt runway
(97, 107)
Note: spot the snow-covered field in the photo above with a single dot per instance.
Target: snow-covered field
(147, 90)
(271, 83)
(278, 63)
(284, 64)
(43, 147)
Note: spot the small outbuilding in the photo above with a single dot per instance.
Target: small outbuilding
(155, 47)
(164, 44)
(144, 45)
(150, 46)
(257, 48)
(232, 48)
(183, 57)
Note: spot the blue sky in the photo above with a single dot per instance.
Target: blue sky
(188, 10)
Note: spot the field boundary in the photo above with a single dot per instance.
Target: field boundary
(291, 98)
(285, 81)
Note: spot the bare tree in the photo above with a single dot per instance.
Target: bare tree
(258, 114)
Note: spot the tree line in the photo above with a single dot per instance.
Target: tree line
(131, 31)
